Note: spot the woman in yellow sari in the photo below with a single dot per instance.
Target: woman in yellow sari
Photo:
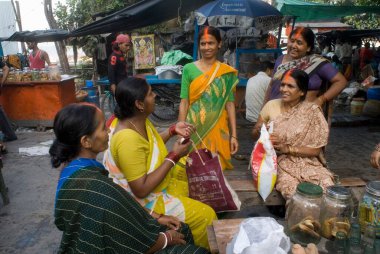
(207, 99)
(138, 161)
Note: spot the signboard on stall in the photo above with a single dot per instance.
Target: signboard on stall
(143, 47)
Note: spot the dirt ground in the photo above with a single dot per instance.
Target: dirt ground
(27, 225)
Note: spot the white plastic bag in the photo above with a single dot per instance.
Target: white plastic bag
(263, 164)
(259, 235)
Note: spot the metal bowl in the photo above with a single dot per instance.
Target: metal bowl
(169, 74)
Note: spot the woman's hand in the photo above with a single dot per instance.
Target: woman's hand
(169, 221)
(278, 145)
(375, 159)
(181, 149)
(184, 129)
(234, 145)
(175, 238)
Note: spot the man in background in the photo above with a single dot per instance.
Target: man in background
(256, 89)
(5, 69)
(37, 57)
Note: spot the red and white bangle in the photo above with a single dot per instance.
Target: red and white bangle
(169, 236)
(172, 156)
(172, 130)
(166, 240)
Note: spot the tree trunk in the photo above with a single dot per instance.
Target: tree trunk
(59, 45)
(16, 10)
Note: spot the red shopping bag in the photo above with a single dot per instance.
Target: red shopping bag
(207, 182)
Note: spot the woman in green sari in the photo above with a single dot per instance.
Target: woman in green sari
(207, 99)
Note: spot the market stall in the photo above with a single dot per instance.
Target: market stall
(35, 103)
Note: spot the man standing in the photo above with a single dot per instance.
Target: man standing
(256, 89)
(117, 62)
(37, 57)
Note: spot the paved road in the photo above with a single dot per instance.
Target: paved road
(26, 224)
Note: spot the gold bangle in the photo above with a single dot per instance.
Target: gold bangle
(234, 137)
(295, 151)
(290, 148)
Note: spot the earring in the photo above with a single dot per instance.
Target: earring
(141, 110)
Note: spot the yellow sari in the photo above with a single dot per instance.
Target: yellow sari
(170, 197)
(208, 96)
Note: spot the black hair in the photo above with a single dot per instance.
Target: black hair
(70, 124)
(127, 92)
(301, 78)
(308, 35)
(212, 31)
(115, 46)
(266, 65)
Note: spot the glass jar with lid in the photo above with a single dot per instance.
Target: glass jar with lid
(336, 211)
(369, 207)
(35, 75)
(303, 214)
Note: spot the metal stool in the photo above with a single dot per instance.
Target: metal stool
(3, 188)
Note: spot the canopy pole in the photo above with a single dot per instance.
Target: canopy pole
(196, 34)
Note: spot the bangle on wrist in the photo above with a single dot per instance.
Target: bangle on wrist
(173, 157)
(169, 236)
(166, 240)
(170, 160)
(233, 137)
(172, 130)
(159, 216)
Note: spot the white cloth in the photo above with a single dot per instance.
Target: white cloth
(255, 94)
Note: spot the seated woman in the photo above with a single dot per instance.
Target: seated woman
(300, 132)
(95, 214)
(138, 160)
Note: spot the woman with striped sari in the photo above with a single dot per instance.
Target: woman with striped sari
(207, 99)
(95, 214)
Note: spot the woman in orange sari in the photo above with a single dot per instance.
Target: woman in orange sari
(207, 99)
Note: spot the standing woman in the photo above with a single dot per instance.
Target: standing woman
(300, 56)
(117, 62)
(95, 214)
(207, 93)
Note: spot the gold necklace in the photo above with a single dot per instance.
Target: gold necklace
(137, 129)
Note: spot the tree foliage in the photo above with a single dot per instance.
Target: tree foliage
(360, 21)
(365, 20)
(77, 13)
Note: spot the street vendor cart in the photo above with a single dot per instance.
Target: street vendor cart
(35, 103)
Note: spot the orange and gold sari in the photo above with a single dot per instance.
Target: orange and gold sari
(208, 96)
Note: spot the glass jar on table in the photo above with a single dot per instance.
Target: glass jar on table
(336, 211)
(303, 214)
(369, 207)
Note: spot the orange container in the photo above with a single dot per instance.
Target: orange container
(35, 103)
